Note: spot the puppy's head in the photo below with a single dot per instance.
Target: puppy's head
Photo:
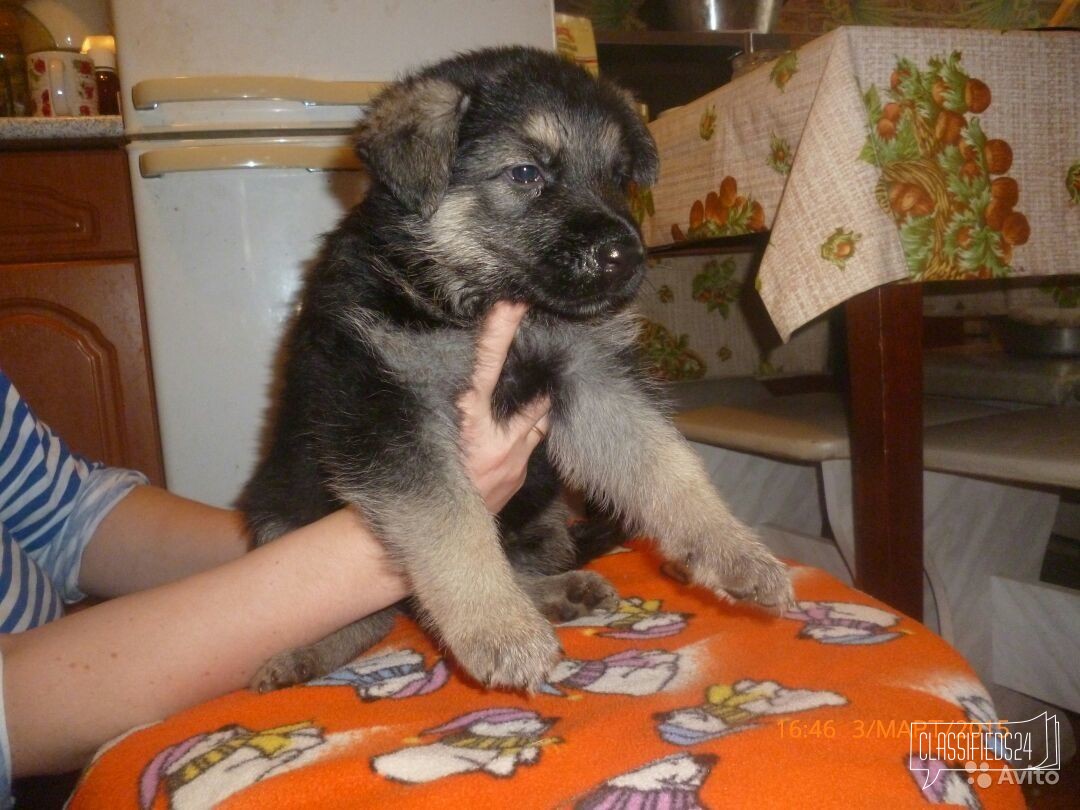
(510, 168)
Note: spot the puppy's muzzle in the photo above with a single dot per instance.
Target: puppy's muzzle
(618, 260)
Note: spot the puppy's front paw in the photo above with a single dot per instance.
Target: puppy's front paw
(744, 570)
(286, 669)
(512, 649)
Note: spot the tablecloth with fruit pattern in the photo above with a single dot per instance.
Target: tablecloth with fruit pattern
(879, 154)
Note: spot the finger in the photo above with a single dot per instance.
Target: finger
(532, 413)
(493, 344)
(538, 431)
(534, 422)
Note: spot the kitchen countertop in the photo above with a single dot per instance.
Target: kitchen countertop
(30, 130)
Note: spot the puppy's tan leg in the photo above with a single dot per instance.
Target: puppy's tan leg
(614, 443)
(440, 532)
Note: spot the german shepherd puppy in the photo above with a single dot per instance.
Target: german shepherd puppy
(498, 174)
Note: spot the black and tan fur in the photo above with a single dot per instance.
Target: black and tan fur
(384, 344)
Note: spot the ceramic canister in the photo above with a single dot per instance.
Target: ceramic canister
(61, 84)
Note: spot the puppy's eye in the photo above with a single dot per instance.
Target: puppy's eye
(527, 174)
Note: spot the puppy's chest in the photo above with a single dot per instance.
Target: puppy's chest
(528, 374)
(544, 359)
(560, 361)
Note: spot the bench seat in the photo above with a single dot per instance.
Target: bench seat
(1039, 446)
(808, 427)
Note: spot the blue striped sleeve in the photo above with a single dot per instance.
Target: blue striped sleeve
(51, 500)
(39, 477)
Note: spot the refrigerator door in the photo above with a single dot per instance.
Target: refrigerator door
(196, 104)
(226, 228)
(321, 40)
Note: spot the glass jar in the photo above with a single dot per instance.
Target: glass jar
(102, 51)
(20, 33)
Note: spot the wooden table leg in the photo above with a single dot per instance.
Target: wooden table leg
(884, 335)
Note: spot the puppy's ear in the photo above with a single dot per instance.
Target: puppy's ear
(645, 162)
(408, 139)
(645, 166)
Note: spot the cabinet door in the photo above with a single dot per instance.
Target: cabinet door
(73, 343)
(67, 205)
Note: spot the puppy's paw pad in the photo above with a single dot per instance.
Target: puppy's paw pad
(284, 670)
(574, 594)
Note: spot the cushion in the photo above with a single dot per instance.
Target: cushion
(674, 700)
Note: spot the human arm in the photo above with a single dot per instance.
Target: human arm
(161, 537)
(153, 537)
(73, 684)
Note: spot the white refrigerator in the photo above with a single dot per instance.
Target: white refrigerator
(238, 115)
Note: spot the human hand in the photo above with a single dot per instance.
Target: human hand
(497, 455)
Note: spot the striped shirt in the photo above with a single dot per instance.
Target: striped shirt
(51, 501)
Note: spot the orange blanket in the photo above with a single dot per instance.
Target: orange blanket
(675, 701)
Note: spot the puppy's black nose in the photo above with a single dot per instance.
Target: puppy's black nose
(619, 259)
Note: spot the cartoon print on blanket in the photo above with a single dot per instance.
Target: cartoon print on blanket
(493, 741)
(634, 618)
(961, 691)
(207, 768)
(672, 783)
(947, 785)
(978, 708)
(732, 708)
(639, 722)
(395, 674)
(633, 672)
(845, 623)
(972, 698)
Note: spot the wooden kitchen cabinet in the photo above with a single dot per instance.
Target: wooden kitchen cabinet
(72, 326)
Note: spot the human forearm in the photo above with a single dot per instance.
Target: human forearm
(152, 537)
(71, 685)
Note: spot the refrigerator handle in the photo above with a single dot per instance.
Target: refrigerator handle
(158, 162)
(148, 94)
